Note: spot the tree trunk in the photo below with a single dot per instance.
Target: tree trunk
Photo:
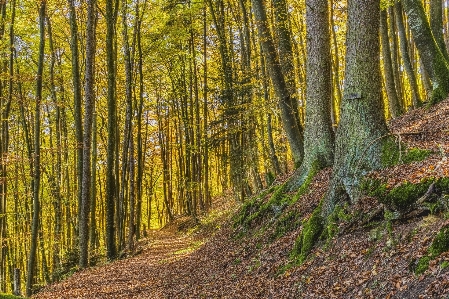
(403, 47)
(112, 123)
(292, 129)
(359, 141)
(435, 64)
(436, 25)
(318, 134)
(76, 81)
(37, 158)
(393, 101)
(89, 104)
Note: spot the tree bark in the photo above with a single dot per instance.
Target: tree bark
(436, 25)
(393, 100)
(292, 129)
(89, 104)
(112, 123)
(359, 141)
(318, 134)
(403, 47)
(435, 64)
(37, 158)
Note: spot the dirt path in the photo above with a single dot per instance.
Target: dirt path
(141, 276)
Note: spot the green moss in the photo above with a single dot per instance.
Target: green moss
(406, 194)
(439, 245)
(440, 91)
(391, 155)
(314, 169)
(339, 215)
(403, 196)
(422, 266)
(444, 265)
(287, 223)
(310, 234)
(415, 154)
(8, 296)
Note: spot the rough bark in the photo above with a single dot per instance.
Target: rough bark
(393, 100)
(434, 62)
(292, 129)
(112, 122)
(89, 103)
(436, 25)
(318, 134)
(359, 142)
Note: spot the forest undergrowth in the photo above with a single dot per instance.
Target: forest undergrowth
(380, 247)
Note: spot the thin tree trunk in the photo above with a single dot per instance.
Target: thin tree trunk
(393, 100)
(37, 171)
(89, 107)
(112, 123)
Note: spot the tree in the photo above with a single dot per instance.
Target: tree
(393, 99)
(37, 153)
(360, 134)
(435, 64)
(112, 122)
(288, 116)
(89, 104)
(403, 48)
(318, 134)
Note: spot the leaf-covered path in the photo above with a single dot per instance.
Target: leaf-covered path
(140, 276)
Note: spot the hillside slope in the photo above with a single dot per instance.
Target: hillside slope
(251, 258)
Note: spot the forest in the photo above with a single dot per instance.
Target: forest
(122, 117)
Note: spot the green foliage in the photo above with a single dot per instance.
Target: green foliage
(310, 234)
(444, 265)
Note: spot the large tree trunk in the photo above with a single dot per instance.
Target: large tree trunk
(435, 64)
(292, 128)
(359, 140)
(37, 155)
(318, 134)
(393, 100)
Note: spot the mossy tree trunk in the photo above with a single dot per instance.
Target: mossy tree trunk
(359, 139)
(435, 64)
(292, 129)
(403, 48)
(436, 24)
(393, 99)
(318, 134)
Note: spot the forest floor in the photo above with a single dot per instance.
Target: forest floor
(221, 260)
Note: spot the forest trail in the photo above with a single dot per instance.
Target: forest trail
(139, 276)
(222, 259)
